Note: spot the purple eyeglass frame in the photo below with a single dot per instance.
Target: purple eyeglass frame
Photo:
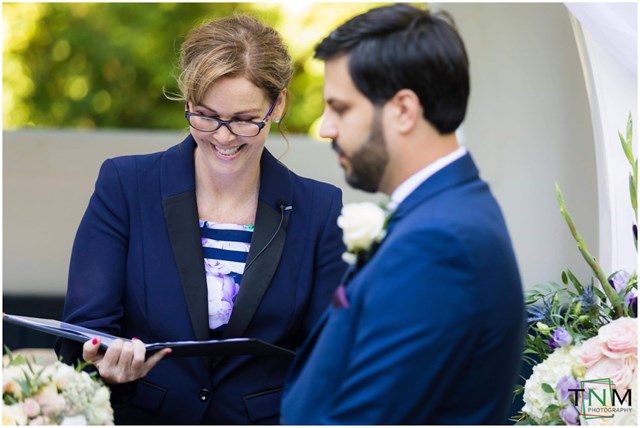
(227, 123)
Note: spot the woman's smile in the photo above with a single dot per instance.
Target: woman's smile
(228, 153)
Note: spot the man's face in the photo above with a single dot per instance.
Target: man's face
(355, 126)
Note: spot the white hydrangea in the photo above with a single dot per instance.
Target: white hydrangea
(536, 400)
(86, 397)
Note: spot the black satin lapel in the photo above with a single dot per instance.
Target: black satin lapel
(181, 216)
(267, 245)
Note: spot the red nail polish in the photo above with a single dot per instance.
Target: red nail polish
(134, 338)
(94, 341)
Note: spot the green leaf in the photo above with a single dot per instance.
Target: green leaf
(625, 146)
(547, 388)
(9, 399)
(565, 281)
(527, 421)
(629, 128)
(575, 282)
(552, 408)
(632, 191)
(9, 353)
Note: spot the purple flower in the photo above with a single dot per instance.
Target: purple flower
(635, 232)
(620, 280)
(564, 385)
(631, 300)
(560, 338)
(569, 415)
(229, 289)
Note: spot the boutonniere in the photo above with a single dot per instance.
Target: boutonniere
(364, 226)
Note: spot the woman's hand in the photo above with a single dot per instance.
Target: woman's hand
(123, 361)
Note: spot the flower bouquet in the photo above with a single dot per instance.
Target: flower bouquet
(582, 340)
(56, 394)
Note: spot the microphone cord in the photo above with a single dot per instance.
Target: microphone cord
(283, 208)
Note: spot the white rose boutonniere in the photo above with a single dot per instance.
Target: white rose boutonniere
(363, 225)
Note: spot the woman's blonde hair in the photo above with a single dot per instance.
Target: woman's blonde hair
(236, 46)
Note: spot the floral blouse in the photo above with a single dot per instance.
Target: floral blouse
(225, 248)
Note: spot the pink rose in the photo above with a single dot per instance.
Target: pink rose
(31, 408)
(50, 402)
(590, 352)
(619, 338)
(620, 371)
(41, 420)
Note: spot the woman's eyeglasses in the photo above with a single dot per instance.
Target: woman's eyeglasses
(241, 128)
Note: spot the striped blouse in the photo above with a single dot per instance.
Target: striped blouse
(225, 248)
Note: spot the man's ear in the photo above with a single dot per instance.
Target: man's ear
(406, 110)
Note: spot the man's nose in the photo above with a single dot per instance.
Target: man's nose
(327, 129)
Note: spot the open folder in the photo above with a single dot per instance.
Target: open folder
(224, 347)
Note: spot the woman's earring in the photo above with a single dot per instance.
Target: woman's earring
(276, 120)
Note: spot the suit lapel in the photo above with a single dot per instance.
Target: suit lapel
(267, 244)
(454, 174)
(181, 216)
(264, 255)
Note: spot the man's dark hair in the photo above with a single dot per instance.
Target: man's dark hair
(402, 47)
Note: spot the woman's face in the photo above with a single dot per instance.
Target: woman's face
(233, 99)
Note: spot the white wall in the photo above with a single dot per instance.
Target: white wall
(528, 125)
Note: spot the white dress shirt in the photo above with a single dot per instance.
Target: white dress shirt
(412, 183)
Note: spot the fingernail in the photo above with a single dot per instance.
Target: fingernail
(134, 338)
(94, 341)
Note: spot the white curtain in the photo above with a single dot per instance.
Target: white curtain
(606, 34)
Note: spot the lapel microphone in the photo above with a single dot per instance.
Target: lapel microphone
(283, 207)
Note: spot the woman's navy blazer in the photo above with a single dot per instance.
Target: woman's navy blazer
(137, 270)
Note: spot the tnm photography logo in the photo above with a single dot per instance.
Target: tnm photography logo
(599, 398)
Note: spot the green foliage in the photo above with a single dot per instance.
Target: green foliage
(627, 147)
(96, 65)
(107, 65)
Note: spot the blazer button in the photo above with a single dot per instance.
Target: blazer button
(204, 394)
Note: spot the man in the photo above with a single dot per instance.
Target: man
(433, 324)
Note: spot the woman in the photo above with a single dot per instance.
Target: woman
(213, 238)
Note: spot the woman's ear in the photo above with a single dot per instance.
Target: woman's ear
(406, 110)
(279, 110)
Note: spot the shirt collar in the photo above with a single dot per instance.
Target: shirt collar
(412, 183)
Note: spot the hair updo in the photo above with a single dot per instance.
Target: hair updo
(237, 46)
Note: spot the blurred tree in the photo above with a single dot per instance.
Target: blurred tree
(106, 65)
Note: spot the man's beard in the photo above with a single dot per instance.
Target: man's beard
(368, 163)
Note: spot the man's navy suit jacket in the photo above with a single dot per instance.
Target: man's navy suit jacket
(435, 325)
(137, 269)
